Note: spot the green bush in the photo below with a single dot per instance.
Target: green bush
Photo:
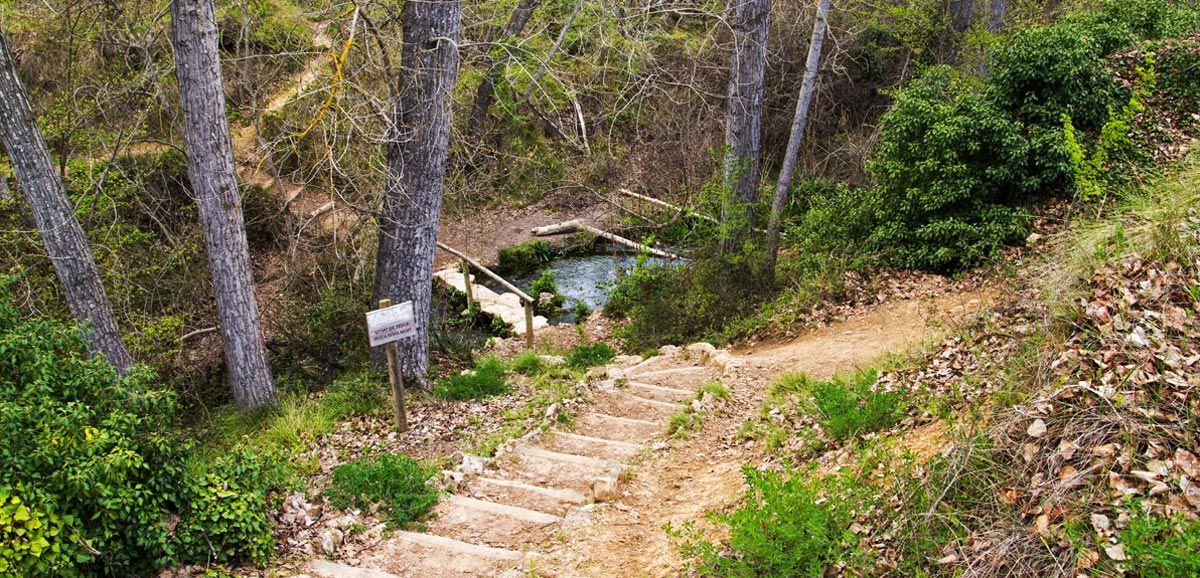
(790, 525)
(32, 542)
(398, 483)
(545, 283)
(1043, 73)
(486, 380)
(855, 407)
(524, 259)
(99, 462)
(225, 518)
(528, 363)
(953, 174)
(1162, 547)
(585, 356)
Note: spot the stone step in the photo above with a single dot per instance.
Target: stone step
(622, 404)
(539, 467)
(556, 501)
(491, 523)
(618, 428)
(686, 377)
(658, 392)
(327, 569)
(427, 555)
(572, 443)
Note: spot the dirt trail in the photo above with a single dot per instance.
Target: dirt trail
(703, 473)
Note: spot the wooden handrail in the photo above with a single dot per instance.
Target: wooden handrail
(497, 278)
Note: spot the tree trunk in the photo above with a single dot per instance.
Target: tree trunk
(743, 121)
(962, 13)
(65, 244)
(996, 12)
(799, 121)
(211, 171)
(412, 202)
(487, 87)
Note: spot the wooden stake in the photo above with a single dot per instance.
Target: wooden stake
(396, 378)
(466, 269)
(528, 324)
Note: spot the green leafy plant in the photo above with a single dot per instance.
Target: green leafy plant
(527, 363)
(97, 463)
(850, 408)
(584, 356)
(485, 380)
(524, 259)
(545, 284)
(1161, 546)
(789, 525)
(398, 483)
(31, 542)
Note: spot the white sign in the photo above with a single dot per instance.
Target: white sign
(391, 323)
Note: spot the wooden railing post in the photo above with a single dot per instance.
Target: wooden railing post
(529, 324)
(466, 270)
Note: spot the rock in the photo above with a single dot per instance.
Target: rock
(330, 540)
(697, 406)
(660, 446)
(552, 411)
(473, 465)
(604, 488)
(614, 372)
(627, 360)
(545, 299)
(552, 360)
(1033, 239)
(451, 478)
(1036, 429)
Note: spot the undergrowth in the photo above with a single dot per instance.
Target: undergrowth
(397, 483)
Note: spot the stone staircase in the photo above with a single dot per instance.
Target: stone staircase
(504, 512)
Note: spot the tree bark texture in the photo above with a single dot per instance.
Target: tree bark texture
(743, 121)
(487, 87)
(961, 14)
(211, 171)
(799, 121)
(412, 202)
(997, 10)
(55, 217)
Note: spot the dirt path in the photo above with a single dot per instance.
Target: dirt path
(703, 473)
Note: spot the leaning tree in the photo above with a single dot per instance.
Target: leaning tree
(211, 172)
(55, 217)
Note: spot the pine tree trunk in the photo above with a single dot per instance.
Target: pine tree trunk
(412, 202)
(65, 244)
(799, 121)
(962, 13)
(211, 171)
(743, 121)
(487, 87)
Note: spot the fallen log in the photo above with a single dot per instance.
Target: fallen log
(576, 224)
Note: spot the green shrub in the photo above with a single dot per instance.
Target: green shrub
(1162, 547)
(545, 284)
(101, 461)
(953, 174)
(790, 525)
(851, 408)
(487, 379)
(1043, 73)
(398, 483)
(225, 518)
(528, 363)
(580, 311)
(584, 356)
(32, 543)
(524, 259)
